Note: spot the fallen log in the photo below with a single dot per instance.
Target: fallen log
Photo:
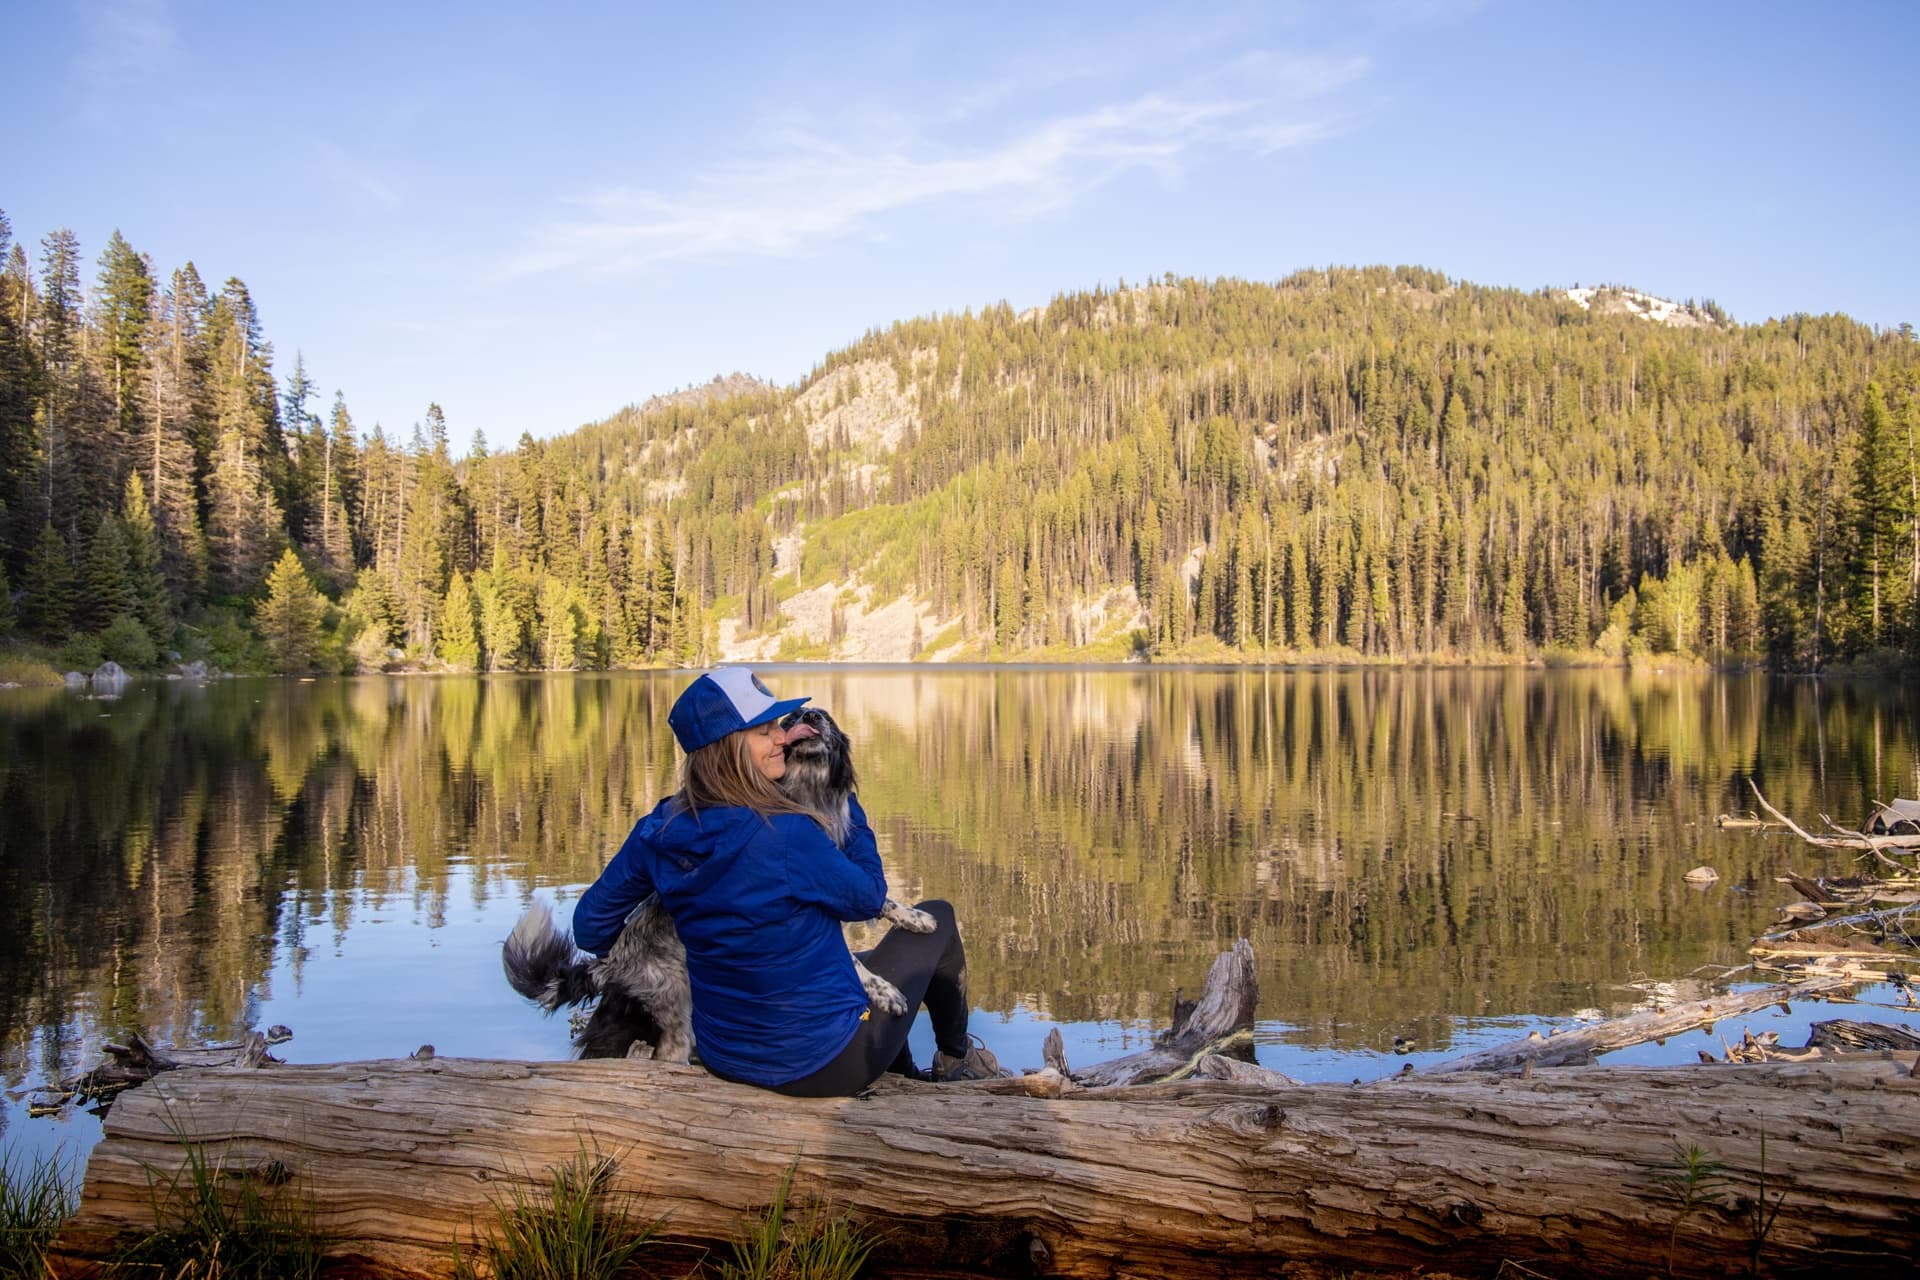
(1806, 944)
(1565, 1170)
(1845, 1033)
(1583, 1044)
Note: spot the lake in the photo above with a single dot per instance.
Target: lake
(1450, 857)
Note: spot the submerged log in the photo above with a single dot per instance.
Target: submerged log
(1564, 1170)
(1583, 1044)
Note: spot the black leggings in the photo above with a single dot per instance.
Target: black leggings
(930, 969)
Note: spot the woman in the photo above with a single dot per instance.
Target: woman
(757, 892)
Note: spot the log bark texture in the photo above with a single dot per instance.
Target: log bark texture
(1566, 1171)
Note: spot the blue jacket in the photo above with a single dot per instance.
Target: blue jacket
(758, 903)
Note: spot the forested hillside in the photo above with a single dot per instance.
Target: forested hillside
(1354, 464)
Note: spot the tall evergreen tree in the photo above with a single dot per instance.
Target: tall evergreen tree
(106, 586)
(124, 302)
(290, 616)
(58, 321)
(459, 638)
(1878, 512)
(152, 602)
(47, 588)
(244, 526)
(19, 377)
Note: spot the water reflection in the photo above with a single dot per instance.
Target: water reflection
(1410, 852)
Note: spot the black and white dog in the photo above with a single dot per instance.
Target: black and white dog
(644, 996)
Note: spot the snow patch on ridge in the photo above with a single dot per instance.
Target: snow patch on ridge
(1612, 301)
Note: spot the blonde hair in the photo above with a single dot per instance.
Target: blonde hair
(722, 774)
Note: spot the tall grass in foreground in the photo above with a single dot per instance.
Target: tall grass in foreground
(572, 1228)
(36, 1197)
(216, 1223)
(823, 1246)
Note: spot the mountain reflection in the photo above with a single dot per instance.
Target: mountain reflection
(1406, 849)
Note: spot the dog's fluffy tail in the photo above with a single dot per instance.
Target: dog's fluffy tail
(543, 966)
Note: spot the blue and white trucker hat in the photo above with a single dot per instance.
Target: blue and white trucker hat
(723, 701)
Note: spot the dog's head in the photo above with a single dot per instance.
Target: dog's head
(819, 760)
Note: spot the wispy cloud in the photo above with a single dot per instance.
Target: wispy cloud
(809, 186)
(353, 175)
(131, 44)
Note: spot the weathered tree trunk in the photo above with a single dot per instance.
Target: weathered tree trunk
(1566, 1171)
(1220, 1022)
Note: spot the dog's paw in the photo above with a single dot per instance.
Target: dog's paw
(673, 1047)
(881, 994)
(908, 918)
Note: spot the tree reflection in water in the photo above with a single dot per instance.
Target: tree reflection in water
(1412, 853)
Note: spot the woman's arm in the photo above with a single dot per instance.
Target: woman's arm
(607, 903)
(847, 882)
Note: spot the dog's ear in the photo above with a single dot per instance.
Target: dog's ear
(840, 775)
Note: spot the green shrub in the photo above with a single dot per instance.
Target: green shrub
(80, 653)
(126, 642)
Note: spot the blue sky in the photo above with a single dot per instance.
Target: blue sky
(534, 215)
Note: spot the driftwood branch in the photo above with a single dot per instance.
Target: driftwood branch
(1842, 839)
(137, 1061)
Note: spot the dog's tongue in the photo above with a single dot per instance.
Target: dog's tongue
(801, 729)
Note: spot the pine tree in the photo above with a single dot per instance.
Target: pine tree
(19, 379)
(244, 525)
(369, 620)
(47, 588)
(1878, 523)
(58, 322)
(165, 456)
(106, 586)
(459, 638)
(506, 616)
(289, 619)
(1299, 594)
(8, 619)
(152, 604)
(124, 305)
(559, 626)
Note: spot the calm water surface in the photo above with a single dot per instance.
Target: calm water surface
(1450, 857)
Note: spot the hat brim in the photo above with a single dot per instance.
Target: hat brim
(777, 710)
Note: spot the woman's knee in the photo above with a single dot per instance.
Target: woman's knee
(941, 910)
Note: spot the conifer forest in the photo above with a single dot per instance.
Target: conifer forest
(1350, 465)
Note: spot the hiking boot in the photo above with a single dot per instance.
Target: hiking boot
(977, 1064)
